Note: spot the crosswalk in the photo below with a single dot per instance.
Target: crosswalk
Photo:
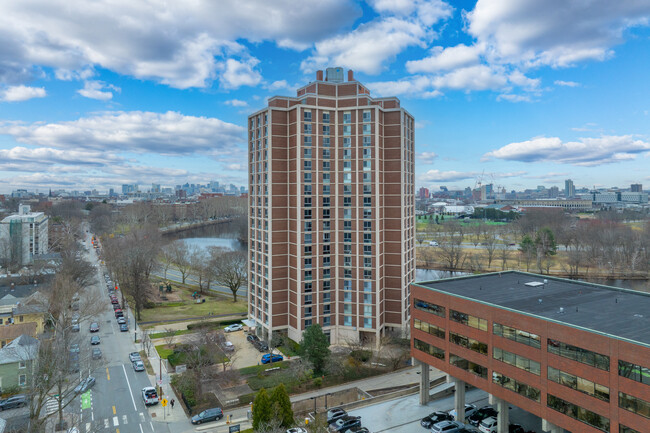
(115, 421)
(51, 405)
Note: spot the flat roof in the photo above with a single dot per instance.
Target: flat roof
(620, 313)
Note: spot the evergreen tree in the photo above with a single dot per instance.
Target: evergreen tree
(262, 412)
(527, 248)
(282, 406)
(315, 347)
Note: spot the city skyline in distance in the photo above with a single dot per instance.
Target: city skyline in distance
(86, 106)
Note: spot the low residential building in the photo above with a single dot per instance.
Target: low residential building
(23, 237)
(8, 333)
(17, 362)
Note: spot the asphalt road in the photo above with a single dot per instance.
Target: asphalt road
(115, 403)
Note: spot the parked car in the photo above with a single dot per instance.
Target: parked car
(261, 346)
(344, 423)
(138, 365)
(271, 357)
(469, 410)
(358, 429)
(335, 413)
(94, 327)
(480, 414)
(119, 313)
(85, 385)
(97, 353)
(149, 395)
(434, 418)
(296, 430)
(490, 425)
(124, 327)
(74, 362)
(94, 339)
(433, 244)
(252, 338)
(134, 356)
(121, 320)
(234, 327)
(207, 415)
(19, 400)
(74, 348)
(228, 346)
(447, 427)
(116, 306)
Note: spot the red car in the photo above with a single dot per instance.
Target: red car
(118, 313)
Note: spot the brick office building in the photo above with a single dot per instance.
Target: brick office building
(575, 354)
(331, 219)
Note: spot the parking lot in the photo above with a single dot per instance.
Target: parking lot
(246, 354)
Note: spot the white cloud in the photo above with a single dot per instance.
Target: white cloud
(21, 93)
(427, 11)
(558, 33)
(585, 152)
(240, 73)
(479, 77)
(237, 167)
(94, 90)
(566, 83)
(426, 157)
(26, 159)
(446, 176)
(443, 59)
(369, 46)
(513, 98)
(180, 44)
(168, 133)
(237, 103)
(418, 86)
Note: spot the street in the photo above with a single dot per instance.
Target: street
(114, 403)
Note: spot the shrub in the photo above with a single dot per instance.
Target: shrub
(149, 304)
(184, 383)
(318, 382)
(361, 355)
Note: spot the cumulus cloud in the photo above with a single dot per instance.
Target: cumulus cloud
(168, 133)
(479, 77)
(426, 157)
(427, 11)
(21, 93)
(95, 90)
(36, 159)
(443, 59)
(181, 44)
(513, 98)
(240, 73)
(237, 166)
(585, 152)
(546, 33)
(447, 176)
(367, 47)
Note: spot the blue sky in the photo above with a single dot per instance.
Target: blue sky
(517, 93)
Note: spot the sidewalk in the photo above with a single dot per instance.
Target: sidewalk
(158, 413)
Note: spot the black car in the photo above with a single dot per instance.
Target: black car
(19, 400)
(516, 428)
(335, 413)
(480, 414)
(252, 338)
(434, 418)
(358, 429)
(345, 423)
(213, 414)
(262, 346)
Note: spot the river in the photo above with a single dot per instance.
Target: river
(223, 235)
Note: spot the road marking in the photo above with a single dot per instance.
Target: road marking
(117, 430)
(108, 376)
(92, 416)
(151, 424)
(141, 417)
(87, 427)
(125, 420)
(130, 390)
(105, 422)
(114, 411)
(141, 431)
(116, 421)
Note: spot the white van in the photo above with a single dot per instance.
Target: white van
(433, 244)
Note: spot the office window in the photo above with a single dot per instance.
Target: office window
(469, 320)
(307, 238)
(367, 322)
(367, 140)
(308, 250)
(326, 225)
(307, 226)
(308, 299)
(326, 213)
(347, 142)
(366, 116)
(430, 308)
(326, 177)
(326, 141)
(326, 165)
(308, 263)
(307, 189)
(578, 383)
(428, 348)
(423, 326)
(326, 189)
(634, 404)
(327, 321)
(578, 354)
(635, 372)
(516, 386)
(326, 130)
(307, 287)
(307, 213)
(576, 412)
(326, 153)
(326, 249)
(307, 152)
(326, 117)
(367, 129)
(517, 335)
(307, 128)
(347, 130)
(469, 343)
(347, 320)
(347, 117)
(516, 360)
(307, 177)
(307, 201)
(307, 164)
(326, 201)
(307, 116)
(468, 365)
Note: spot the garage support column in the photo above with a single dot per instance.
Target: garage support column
(503, 419)
(424, 383)
(459, 399)
(550, 427)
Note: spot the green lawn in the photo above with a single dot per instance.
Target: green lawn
(163, 351)
(164, 334)
(213, 305)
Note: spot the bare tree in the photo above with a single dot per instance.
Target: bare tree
(180, 255)
(490, 242)
(230, 270)
(450, 251)
(169, 336)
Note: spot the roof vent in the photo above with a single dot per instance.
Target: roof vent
(561, 310)
(534, 284)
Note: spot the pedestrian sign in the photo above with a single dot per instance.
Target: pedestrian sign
(163, 402)
(86, 400)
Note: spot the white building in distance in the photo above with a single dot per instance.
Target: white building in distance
(23, 236)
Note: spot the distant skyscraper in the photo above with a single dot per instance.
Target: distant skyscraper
(569, 188)
(636, 187)
(332, 212)
(423, 193)
(553, 192)
(155, 188)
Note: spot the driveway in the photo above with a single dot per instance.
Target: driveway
(246, 354)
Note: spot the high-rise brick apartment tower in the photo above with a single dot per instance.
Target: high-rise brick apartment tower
(331, 212)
